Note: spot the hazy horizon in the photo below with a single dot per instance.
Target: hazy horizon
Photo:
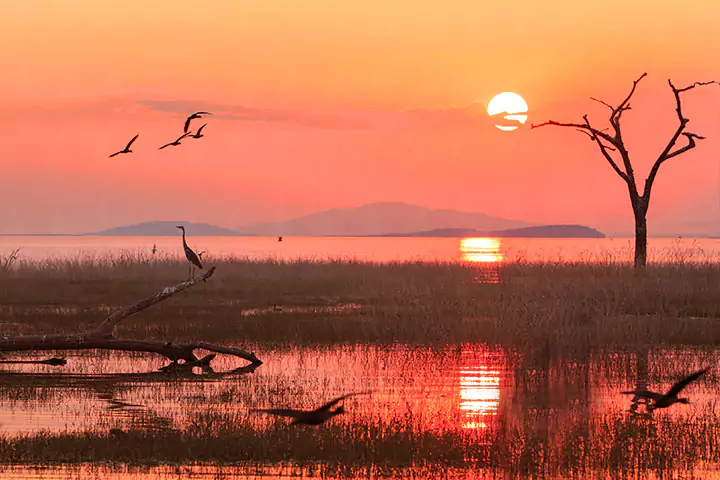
(322, 104)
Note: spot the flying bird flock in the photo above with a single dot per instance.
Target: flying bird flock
(186, 133)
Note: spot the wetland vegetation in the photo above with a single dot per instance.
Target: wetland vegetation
(513, 369)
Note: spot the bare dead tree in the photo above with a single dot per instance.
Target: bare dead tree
(103, 337)
(612, 145)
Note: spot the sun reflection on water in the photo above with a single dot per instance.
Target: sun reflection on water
(481, 250)
(479, 395)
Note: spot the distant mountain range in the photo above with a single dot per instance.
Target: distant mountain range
(381, 219)
(163, 229)
(541, 231)
(376, 219)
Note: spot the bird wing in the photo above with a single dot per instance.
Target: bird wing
(685, 381)
(202, 113)
(183, 136)
(187, 122)
(166, 145)
(331, 403)
(200, 129)
(131, 141)
(283, 412)
(116, 153)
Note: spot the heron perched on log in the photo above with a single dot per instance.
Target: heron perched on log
(190, 255)
(310, 417)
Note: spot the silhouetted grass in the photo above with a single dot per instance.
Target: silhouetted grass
(550, 305)
(620, 446)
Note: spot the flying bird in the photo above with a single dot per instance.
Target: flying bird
(671, 397)
(310, 417)
(176, 142)
(189, 254)
(193, 116)
(127, 147)
(199, 134)
(643, 394)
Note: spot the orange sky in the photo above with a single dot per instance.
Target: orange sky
(327, 104)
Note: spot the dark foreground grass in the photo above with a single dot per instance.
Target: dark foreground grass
(561, 305)
(619, 445)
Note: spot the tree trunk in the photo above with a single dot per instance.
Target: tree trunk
(640, 236)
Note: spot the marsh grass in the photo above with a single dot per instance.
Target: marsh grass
(538, 306)
(621, 446)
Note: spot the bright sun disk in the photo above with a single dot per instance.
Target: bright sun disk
(512, 106)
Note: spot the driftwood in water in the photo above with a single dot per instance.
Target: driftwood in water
(103, 337)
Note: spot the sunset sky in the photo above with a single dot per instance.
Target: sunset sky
(327, 103)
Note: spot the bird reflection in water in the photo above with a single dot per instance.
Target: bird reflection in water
(479, 395)
(484, 253)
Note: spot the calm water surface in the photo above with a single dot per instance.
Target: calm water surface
(476, 390)
(370, 248)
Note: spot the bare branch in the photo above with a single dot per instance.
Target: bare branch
(668, 152)
(102, 337)
(625, 105)
(108, 325)
(698, 84)
(605, 153)
(578, 126)
(604, 103)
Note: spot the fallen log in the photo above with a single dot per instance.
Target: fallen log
(103, 337)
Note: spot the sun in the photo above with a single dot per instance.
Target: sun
(513, 107)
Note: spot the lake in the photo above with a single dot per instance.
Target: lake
(374, 249)
(487, 406)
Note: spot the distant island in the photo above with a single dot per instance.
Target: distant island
(379, 219)
(167, 229)
(541, 231)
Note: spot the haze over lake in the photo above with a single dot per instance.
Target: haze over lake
(374, 249)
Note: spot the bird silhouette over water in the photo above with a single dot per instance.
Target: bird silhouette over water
(192, 117)
(310, 417)
(127, 147)
(176, 142)
(190, 254)
(199, 134)
(280, 239)
(643, 395)
(655, 400)
(671, 397)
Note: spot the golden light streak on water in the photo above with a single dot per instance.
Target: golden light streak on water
(481, 250)
(479, 395)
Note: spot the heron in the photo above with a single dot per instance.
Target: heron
(176, 142)
(190, 255)
(310, 417)
(193, 116)
(199, 134)
(671, 397)
(127, 147)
